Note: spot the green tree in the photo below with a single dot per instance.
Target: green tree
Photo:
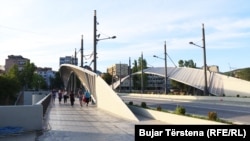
(38, 82)
(136, 82)
(107, 78)
(9, 87)
(187, 63)
(143, 65)
(244, 74)
(57, 82)
(26, 75)
(181, 63)
(138, 66)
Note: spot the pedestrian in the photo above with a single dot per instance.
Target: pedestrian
(72, 98)
(80, 96)
(60, 96)
(53, 95)
(87, 97)
(65, 96)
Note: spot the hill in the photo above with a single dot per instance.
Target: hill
(243, 73)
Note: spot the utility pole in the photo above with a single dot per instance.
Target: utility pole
(129, 71)
(120, 69)
(75, 58)
(142, 89)
(166, 77)
(82, 52)
(95, 41)
(205, 63)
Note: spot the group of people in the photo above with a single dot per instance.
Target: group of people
(84, 97)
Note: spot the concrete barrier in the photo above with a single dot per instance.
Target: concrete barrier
(213, 99)
(172, 118)
(28, 117)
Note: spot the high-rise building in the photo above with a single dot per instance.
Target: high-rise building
(15, 60)
(118, 70)
(47, 74)
(68, 60)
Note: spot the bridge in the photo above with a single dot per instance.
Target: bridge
(97, 122)
(104, 97)
(218, 84)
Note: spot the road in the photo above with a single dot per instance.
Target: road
(231, 112)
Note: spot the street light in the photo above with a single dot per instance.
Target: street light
(204, 58)
(96, 40)
(165, 59)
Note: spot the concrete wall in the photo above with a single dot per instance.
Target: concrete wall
(36, 98)
(108, 100)
(28, 96)
(172, 118)
(214, 99)
(29, 117)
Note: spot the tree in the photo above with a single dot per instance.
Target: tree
(135, 77)
(26, 75)
(9, 86)
(107, 78)
(38, 82)
(57, 82)
(181, 63)
(187, 63)
(138, 66)
(244, 74)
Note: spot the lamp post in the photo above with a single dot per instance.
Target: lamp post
(129, 70)
(82, 52)
(165, 59)
(96, 40)
(204, 58)
(142, 85)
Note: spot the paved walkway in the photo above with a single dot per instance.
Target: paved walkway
(66, 123)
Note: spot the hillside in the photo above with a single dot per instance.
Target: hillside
(243, 73)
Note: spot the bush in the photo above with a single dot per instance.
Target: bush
(180, 110)
(159, 108)
(130, 103)
(212, 116)
(143, 105)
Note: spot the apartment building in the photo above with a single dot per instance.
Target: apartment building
(15, 60)
(68, 60)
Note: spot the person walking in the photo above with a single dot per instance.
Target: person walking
(80, 96)
(72, 98)
(87, 97)
(60, 96)
(53, 96)
(65, 96)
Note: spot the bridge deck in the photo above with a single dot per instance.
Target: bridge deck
(66, 123)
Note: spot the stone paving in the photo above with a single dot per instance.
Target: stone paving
(66, 123)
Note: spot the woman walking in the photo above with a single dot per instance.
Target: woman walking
(72, 98)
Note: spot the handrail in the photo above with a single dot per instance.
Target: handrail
(45, 102)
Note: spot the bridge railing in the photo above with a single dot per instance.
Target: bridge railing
(45, 103)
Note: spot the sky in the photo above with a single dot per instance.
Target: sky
(45, 30)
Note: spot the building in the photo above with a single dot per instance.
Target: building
(118, 71)
(47, 74)
(1, 69)
(155, 83)
(15, 60)
(68, 60)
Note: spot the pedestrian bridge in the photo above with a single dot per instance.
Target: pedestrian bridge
(108, 100)
(105, 98)
(218, 84)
